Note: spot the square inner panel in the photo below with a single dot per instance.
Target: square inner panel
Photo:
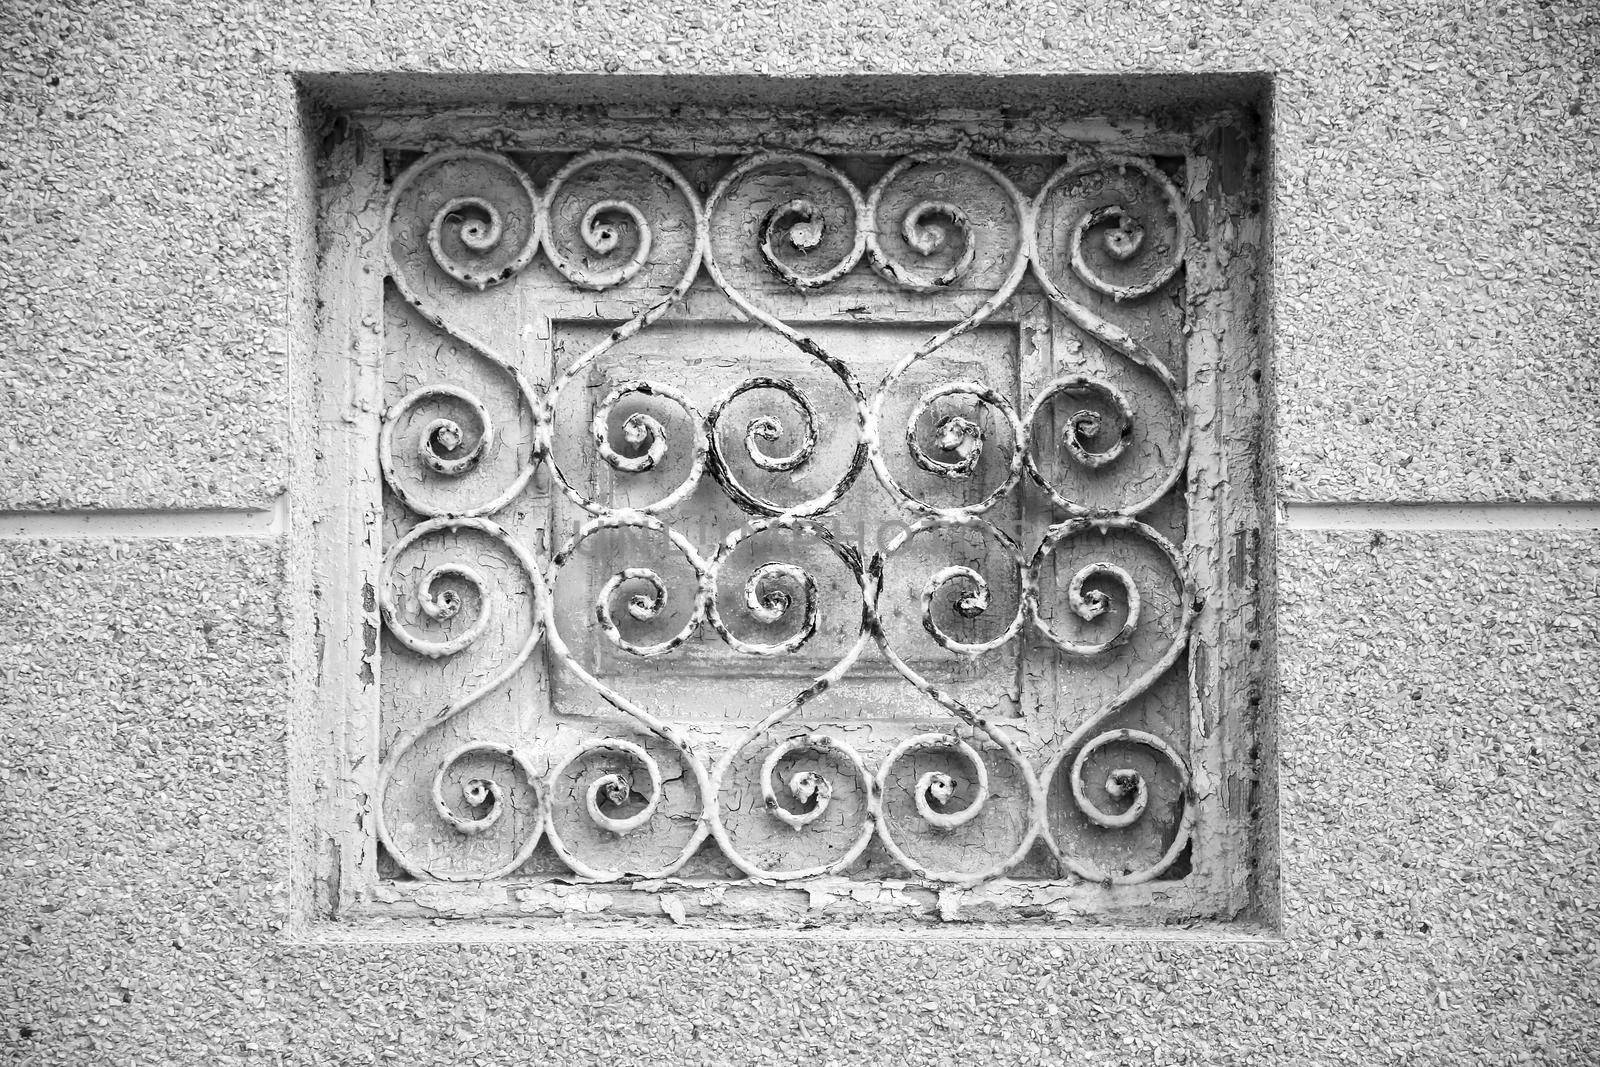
(854, 525)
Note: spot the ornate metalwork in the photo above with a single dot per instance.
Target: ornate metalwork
(1101, 230)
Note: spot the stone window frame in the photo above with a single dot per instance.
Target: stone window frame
(350, 120)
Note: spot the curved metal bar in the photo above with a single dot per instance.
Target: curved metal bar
(1096, 721)
(808, 787)
(1109, 334)
(764, 428)
(649, 315)
(525, 388)
(560, 653)
(871, 423)
(641, 608)
(851, 558)
(976, 601)
(976, 723)
(407, 741)
(1121, 782)
(837, 367)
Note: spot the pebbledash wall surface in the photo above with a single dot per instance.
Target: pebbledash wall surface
(1433, 453)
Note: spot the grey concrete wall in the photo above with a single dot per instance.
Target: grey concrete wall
(1435, 277)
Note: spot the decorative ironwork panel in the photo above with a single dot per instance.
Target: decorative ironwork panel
(806, 536)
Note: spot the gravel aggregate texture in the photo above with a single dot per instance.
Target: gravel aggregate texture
(1434, 275)
(146, 257)
(1440, 767)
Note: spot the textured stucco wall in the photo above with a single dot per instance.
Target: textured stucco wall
(1434, 278)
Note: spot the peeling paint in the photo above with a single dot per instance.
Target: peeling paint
(1005, 809)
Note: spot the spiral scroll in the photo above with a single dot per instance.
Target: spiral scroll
(601, 242)
(800, 224)
(761, 432)
(1124, 236)
(1128, 787)
(628, 774)
(808, 240)
(648, 439)
(964, 440)
(768, 597)
(438, 606)
(640, 431)
(479, 792)
(767, 429)
(936, 787)
(818, 837)
(1091, 605)
(444, 446)
(1086, 437)
(972, 600)
(642, 606)
(942, 816)
(812, 790)
(924, 242)
(616, 788)
(472, 238)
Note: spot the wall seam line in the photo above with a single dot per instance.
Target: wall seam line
(269, 522)
(273, 522)
(1462, 516)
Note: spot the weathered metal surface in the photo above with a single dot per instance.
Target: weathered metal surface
(619, 703)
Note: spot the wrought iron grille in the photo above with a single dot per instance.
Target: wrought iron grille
(788, 518)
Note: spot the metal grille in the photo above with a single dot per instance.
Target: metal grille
(687, 460)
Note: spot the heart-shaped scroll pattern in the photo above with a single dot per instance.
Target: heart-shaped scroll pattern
(788, 798)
